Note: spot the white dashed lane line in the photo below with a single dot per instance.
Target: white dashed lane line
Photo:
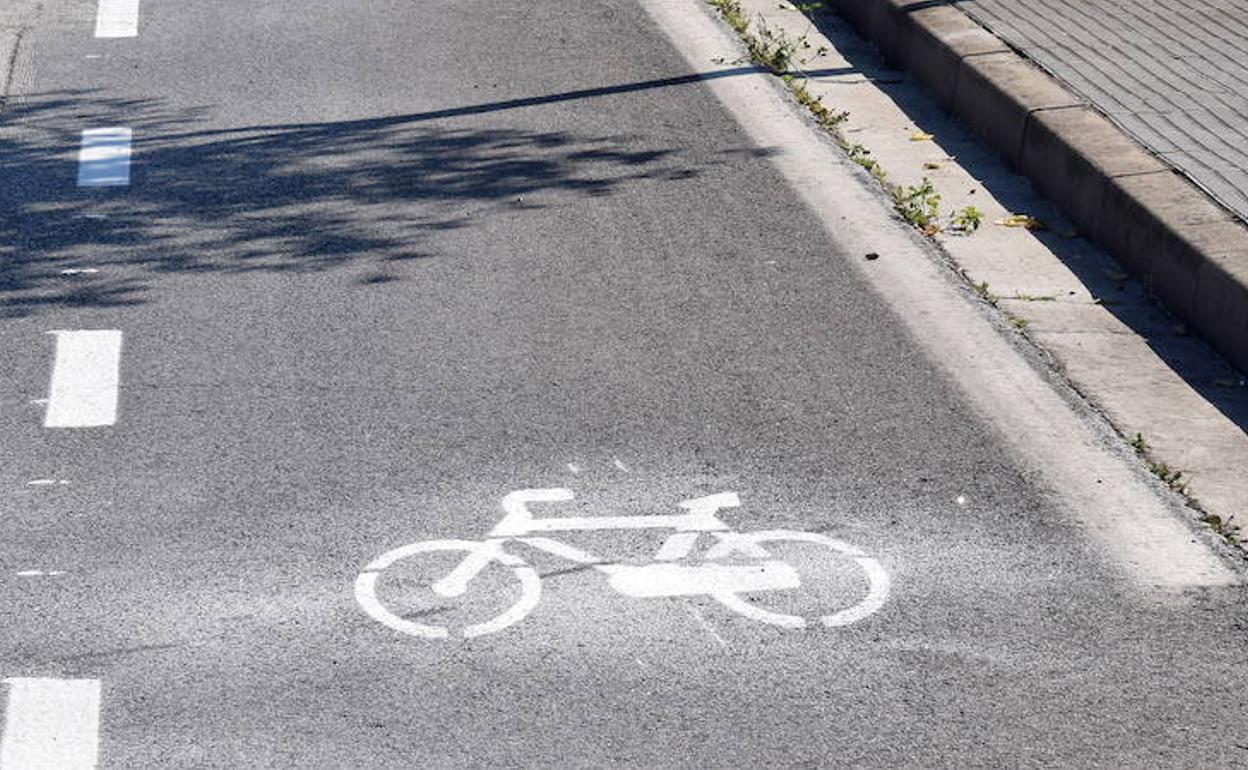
(55, 723)
(104, 157)
(117, 18)
(51, 723)
(85, 378)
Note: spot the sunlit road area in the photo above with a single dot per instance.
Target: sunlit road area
(445, 384)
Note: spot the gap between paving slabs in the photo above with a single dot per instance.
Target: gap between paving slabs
(1184, 410)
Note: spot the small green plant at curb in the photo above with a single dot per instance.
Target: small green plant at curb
(826, 117)
(920, 206)
(981, 289)
(730, 10)
(772, 48)
(862, 156)
(967, 220)
(1170, 476)
(1226, 528)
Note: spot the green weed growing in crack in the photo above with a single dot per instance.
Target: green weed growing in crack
(985, 293)
(1226, 528)
(772, 48)
(768, 47)
(967, 220)
(862, 156)
(730, 11)
(920, 206)
(826, 117)
(1171, 476)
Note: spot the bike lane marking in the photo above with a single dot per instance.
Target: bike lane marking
(117, 18)
(723, 582)
(52, 724)
(85, 378)
(104, 157)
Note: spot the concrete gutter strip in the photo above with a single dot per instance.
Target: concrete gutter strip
(1189, 251)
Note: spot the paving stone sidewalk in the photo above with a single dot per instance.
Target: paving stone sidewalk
(1173, 73)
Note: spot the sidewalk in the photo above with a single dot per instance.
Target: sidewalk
(1131, 116)
(1172, 73)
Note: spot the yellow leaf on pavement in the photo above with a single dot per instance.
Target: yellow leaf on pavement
(1022, 220)
(919, 136)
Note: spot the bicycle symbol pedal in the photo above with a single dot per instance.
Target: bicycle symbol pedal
(717, 576)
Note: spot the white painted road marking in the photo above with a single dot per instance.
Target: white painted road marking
(724, 583)
(104, 158)
(117, 18)
(40, 573)
(51, 724)
(83, 393)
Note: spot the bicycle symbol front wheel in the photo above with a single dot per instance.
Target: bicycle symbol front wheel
(751, 545)
(512, 567)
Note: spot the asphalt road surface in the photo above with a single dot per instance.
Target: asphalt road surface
(368, 269)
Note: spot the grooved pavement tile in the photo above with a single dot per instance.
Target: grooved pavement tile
(1173, 73)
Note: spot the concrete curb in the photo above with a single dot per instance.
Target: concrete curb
(1190, 252)
(10, 39)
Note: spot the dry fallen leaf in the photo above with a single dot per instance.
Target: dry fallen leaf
(931, 166)
(920, 136)
(1022, 220)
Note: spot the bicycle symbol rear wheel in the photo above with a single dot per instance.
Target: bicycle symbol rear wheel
(530, 590)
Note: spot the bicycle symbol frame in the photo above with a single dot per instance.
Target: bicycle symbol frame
(663, 578)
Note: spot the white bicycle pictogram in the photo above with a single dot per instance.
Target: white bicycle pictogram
(664, 577)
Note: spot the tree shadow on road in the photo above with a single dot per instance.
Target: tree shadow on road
(295, 198)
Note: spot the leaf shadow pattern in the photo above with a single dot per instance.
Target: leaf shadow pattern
(290, 198)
